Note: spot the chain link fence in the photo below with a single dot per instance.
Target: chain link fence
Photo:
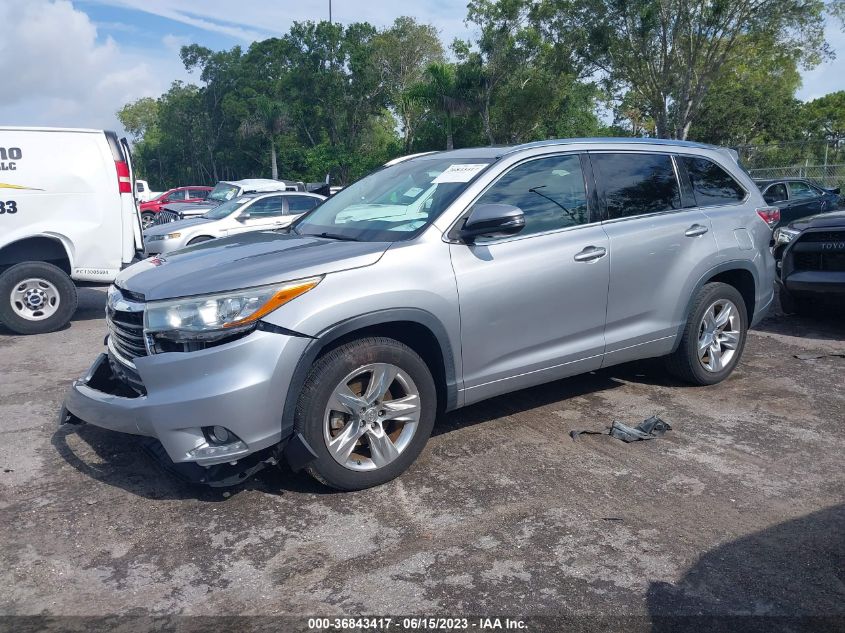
(821, 161)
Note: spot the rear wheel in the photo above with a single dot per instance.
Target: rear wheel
(367, 410)
(713, 338)
(36, 297)
(147, 219)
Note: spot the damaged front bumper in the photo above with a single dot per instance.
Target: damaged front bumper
(240, 386)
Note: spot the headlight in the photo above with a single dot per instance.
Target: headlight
(211, 317)
(784, 235)
(171, 236)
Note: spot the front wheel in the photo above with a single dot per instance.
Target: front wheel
(367, 410)
(36, 297)
(147, 219)
(713, 338)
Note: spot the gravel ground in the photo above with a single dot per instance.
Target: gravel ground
(737, 511)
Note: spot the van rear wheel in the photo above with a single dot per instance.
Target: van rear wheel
(36, 297)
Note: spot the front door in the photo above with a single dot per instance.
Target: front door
(533, 305)
(264, 213)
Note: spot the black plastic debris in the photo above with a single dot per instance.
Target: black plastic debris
(649, 429)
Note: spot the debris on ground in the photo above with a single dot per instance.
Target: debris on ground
(817, 355)
(648, 429)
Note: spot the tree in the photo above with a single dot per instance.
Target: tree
(441, 92)
(140, 117)
(825, 117)
(670, 52)
(401, 54)
(266, 120)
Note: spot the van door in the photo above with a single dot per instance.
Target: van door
(137, 233)
(533, 305)
(660, 245)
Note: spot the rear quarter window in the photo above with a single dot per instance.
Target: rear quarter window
(711, 184)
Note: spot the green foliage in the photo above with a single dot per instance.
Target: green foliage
(342, 100)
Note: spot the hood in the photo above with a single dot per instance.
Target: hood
(169, 227)
(241, 261)
(181, 206)
(834, 219)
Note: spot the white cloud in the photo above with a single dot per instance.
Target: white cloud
(830, 76)
(56, 72)
(249, 20)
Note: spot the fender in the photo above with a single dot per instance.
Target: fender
(369, 319)
(61, 240)
(733, 264)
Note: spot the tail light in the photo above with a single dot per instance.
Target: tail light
(770, 215)
(124, 184)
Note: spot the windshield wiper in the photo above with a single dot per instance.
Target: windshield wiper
(336, 236)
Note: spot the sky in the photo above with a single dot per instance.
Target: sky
(74, 63)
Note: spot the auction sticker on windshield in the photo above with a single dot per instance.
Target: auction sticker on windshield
(459, 173)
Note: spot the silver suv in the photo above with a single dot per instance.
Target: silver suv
(429, 285)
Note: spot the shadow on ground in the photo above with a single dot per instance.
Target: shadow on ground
(788, 577)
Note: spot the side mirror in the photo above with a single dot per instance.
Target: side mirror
(494, 220)
(244, 216)
(836, 190)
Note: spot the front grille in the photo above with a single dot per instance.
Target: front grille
(165, 217)
(832, 262)
(125, 320)
(823, 236)
(812, 251)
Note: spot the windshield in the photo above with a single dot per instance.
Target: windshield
(223, 191)
(394, 203)
(220, 212)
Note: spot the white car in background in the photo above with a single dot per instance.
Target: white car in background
(250, 212)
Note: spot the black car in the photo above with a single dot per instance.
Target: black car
(810, 255)
(798, 197)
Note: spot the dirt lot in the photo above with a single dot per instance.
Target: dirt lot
(738, 510)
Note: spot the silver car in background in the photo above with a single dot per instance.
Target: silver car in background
(429, 285)
(251, 212)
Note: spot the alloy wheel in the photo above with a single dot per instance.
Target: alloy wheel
(718, 335)
(371, 416)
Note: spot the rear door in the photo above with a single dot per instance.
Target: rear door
(297, 205)
(132, 215)
(533, 305)
(659, 242)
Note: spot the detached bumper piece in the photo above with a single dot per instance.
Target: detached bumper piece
(219, 476)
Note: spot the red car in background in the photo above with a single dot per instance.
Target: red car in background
(180, 194)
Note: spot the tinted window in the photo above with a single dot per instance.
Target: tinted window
(266, 207)
(711, 184)
(301, 204)
(801, 190)
(636, 184)
(775, 193)
(550, 192)
(176, 196)
(198, 194)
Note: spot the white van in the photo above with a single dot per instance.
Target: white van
(67, 214)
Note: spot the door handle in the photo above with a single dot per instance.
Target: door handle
(590, 253)
(695, 230)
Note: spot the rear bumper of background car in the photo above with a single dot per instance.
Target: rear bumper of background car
(240, 386)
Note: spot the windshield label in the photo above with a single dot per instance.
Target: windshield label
(459, 173)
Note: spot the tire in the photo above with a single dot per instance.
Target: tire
(147, 219)
(710, 366)
(321, 418)
(199, 240)
(22, 285)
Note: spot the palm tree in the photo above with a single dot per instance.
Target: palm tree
(443, 94)
(267, 120)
